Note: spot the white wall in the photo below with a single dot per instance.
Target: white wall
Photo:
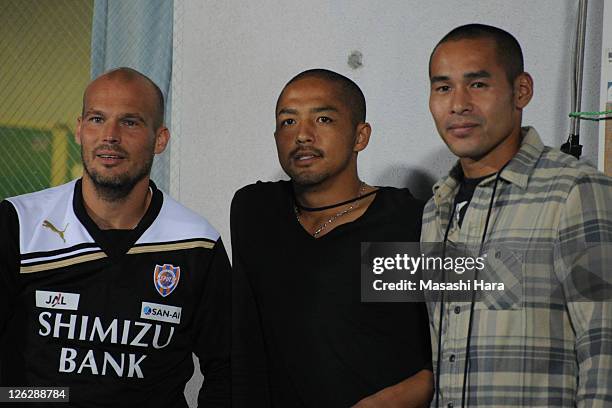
(233, 57)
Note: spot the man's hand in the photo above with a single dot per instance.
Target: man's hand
(413, 392)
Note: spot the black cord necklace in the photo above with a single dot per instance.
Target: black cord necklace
(466, 370)
(327, 207)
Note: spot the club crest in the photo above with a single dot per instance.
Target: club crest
(166, 278)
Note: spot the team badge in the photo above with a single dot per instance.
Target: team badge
(166, 278)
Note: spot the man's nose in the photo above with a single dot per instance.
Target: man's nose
(306, 133)
(461, 101)
(111, 133)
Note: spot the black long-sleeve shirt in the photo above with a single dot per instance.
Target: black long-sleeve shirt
(114, 315)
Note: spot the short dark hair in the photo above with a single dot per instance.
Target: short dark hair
(350, 90)
(130, 74)
(508, 49)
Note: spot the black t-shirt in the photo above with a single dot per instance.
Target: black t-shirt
(464, 196)
(322, 346)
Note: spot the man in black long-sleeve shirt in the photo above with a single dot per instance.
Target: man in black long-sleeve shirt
(300, 327)
(108, 284)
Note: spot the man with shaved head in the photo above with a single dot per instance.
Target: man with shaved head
(299, 323)
(109, 284)
(541, 219)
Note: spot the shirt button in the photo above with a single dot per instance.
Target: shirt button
(457, 309)
(452, 358)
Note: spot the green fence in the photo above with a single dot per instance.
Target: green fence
(45, 53)
(32, 159)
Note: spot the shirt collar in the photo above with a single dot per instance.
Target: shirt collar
(517, 172)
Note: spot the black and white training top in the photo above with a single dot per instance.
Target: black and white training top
(112, 314)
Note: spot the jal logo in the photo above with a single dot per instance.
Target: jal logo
(57, 300)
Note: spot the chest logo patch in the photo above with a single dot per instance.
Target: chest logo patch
(57, 300)
(163, 313)
(166, 278)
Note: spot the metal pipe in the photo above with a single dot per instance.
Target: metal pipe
(578, 64)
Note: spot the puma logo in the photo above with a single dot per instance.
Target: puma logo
(48, 224)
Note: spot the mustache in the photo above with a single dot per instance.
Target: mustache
(312, 150)
(471, 120)
(110, 148)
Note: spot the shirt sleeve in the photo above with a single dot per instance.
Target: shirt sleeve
(9, 268)
(249, 368)
(213, 336)
(585, 254)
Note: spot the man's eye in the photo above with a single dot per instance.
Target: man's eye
(324, 119)
(287, 122)
(129, 122)
(95, 119)
(479, 85)
(442, 88)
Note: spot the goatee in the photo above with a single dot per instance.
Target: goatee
(118, 187)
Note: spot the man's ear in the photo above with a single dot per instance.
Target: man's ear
(162, 137)
(363, 130)
(77, 131)
(523, 90)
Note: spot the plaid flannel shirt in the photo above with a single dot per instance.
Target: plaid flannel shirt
(551, 217)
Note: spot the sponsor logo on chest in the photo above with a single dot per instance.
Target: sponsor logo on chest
(57, 300)
(162, 313)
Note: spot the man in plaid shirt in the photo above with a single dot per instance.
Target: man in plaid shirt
(545, 221)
